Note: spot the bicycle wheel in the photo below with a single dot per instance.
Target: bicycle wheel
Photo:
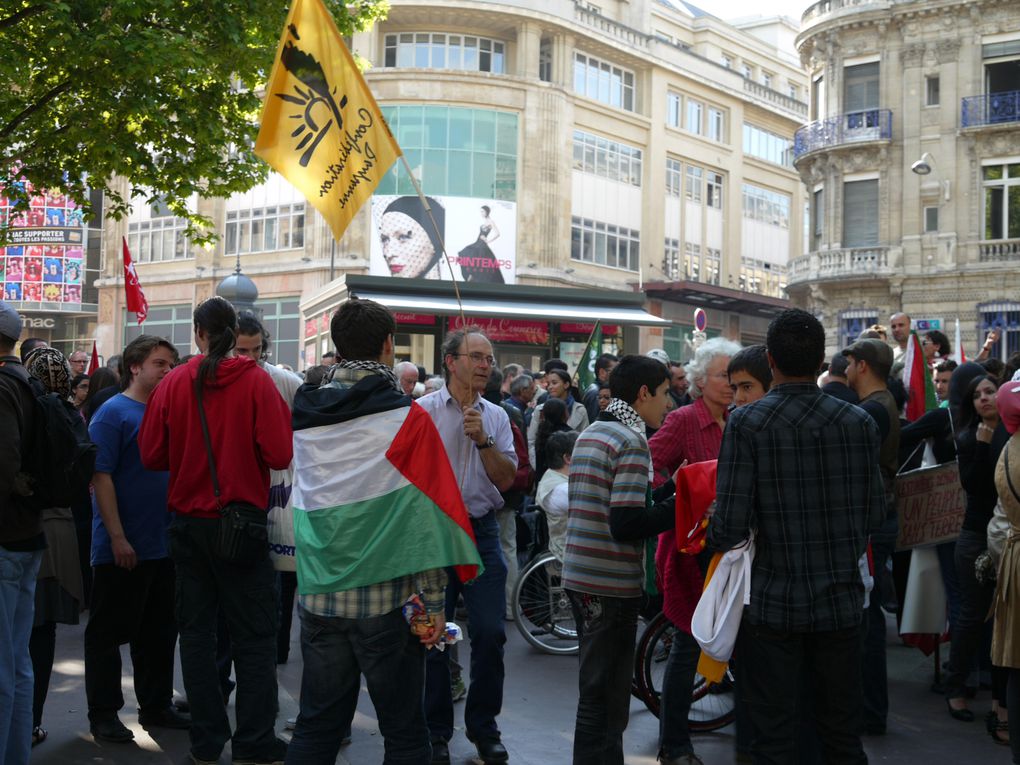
(712, 707)
(542, 609)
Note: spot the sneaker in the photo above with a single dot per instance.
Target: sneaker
(290, 723)
(458, 689)
(275, 756)
(194, 759)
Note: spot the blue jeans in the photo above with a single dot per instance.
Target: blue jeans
(18, 572)
(336, 652)
(249, 600)
(677, 688)
(485, 599)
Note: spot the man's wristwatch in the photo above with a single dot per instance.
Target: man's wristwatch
(490, 441)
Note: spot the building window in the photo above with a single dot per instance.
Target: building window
(711, 266)
(714, 186)
(1002, 67)
(607, 159)
(695, 112)
(424, 50)
(171, 322)
(545, 57)
(265, 229)
(861, 87)
(860, 213)
(747, 71)
(158, 239)
(674, 172)
(674, 103)
(1002, 201)
(671, 259)
(766, 206)
(766, 79)
(282, 319)
(695, 185)
(726, 61)
(931, 91)
(794, 91)
(604, 244)
(716, 125)
(817, 219)
(853, 322)
(603, 82)
(692, 261)
(931, 220)
(1004, 317)
(762, 277)
(456, 152)
(768, 146)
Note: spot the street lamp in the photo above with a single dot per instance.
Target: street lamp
(923, 166)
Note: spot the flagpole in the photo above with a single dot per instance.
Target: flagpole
(439, 235)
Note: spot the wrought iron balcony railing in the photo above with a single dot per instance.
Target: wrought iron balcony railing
(991, 109)
(852, 127)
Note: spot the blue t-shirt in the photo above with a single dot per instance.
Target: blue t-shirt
(141, 493)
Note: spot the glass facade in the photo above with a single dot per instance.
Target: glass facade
(603, 82)
(265, 229)
(768, 146)
(604, 244)
(158, 239)
(766, 206)
(454, 152)
(172, 322)
(425, 50)
(282, 319)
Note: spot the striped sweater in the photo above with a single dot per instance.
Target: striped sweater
(610, 468)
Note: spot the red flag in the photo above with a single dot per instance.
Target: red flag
(917, 379)
(94, 363)
(136, 302)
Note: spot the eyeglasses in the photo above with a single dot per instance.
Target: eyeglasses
(478, 358)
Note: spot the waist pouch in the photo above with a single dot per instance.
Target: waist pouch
(243, 537)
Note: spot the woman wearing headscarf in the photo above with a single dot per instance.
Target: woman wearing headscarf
(58, 590)
(1006, 604)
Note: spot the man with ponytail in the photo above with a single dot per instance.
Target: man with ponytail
(248, 434)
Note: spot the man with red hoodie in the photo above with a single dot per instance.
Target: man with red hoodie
(250, 433)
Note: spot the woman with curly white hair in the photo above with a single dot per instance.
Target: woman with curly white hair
(691, 433)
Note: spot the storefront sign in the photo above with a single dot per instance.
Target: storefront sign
(585, 328)
(927, 325)
(45, 236)
(32, 322)
(930, 504)
(507, 330)
(414, 318)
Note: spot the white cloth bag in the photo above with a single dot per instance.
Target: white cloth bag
(716, 619)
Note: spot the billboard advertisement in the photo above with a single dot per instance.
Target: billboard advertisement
(43, 260)
(480, 237)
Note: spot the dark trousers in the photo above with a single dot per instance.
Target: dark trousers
(772, 679)
(873, 662)
(1013, 694)
(975, 600)
(42, 645)
(485, 599)
(336, 652)
(249, 600)
(606, 630)
(677, 687)
(134, 607)
(288, 588)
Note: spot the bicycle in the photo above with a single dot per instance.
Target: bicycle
(712, 706)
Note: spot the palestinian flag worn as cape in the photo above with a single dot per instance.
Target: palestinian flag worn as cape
(374, 495)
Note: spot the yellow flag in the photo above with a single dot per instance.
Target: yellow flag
(321, 129)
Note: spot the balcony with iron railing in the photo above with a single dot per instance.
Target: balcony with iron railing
(848, 262)
(849, 128)
(990, 109)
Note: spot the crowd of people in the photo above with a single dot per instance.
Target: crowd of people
(406, 490)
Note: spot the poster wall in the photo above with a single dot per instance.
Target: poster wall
(43, 263)
(480, 237)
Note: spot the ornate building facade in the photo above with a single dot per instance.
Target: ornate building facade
(912, 167)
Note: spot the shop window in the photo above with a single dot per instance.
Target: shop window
(853, 322)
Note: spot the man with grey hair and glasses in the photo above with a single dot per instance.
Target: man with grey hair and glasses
(479, 444)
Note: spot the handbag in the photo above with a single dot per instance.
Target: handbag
(243, 535)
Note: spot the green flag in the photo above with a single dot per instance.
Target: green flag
(586, 367)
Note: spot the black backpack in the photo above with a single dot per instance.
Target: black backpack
(60, 458)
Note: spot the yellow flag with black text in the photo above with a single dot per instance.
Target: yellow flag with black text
(321, 129)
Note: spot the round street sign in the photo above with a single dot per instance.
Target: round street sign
(700, 319)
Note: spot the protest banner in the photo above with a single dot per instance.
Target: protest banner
(930, 505)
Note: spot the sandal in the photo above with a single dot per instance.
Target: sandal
(994, 729)
(39, 735)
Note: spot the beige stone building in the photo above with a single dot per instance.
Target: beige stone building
(635, 146)
(912, 167)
